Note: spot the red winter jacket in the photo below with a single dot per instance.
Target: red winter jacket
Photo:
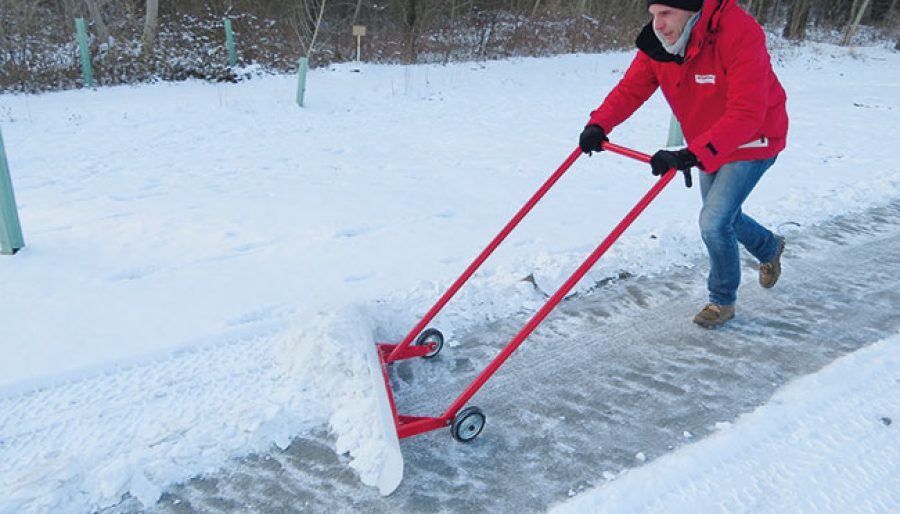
(723, 92)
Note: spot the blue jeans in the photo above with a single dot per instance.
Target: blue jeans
(723, 226)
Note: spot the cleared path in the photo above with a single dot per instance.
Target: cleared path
(612, 379)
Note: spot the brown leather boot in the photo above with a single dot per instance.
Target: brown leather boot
(714, 315)
(770, 271)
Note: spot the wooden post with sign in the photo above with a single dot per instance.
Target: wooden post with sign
(359, 31)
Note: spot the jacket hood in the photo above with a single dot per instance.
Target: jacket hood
(648, 43)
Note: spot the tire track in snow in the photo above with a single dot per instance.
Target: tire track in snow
(138, 427)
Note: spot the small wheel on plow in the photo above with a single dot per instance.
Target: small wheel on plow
(467, 424)
(432, 335)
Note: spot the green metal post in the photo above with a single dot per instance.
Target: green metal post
(229, 43)
(676, 137)
(86, 72)
(11, 240)
(301, 80)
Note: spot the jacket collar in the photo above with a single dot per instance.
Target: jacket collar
(648, 43)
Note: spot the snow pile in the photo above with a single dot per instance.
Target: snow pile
(825, 443)
(330, 353)
(82, 444)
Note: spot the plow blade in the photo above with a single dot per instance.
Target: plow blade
(391, 473)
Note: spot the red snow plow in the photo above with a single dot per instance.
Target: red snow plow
(467, 422)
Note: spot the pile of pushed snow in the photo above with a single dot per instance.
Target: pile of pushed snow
(827, 442)
(331, 353)
(83, 443)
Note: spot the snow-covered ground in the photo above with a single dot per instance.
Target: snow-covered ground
(203, 260)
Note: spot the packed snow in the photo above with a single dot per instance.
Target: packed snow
(203, 261)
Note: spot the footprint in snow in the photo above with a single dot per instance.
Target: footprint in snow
(349, 232)
(133, 274)
(359, 277)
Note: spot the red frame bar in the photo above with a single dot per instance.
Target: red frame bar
(397, 353)
(411, 425)
(568, 284)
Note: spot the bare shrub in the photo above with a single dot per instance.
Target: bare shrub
(38, 49)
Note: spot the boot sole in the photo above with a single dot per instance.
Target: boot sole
(776, 258)
(713, 324)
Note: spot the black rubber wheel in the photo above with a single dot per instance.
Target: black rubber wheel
(432, 335)
(467, 424)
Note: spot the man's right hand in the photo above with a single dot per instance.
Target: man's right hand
(592, 139)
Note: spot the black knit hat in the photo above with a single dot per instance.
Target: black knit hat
(687, 5)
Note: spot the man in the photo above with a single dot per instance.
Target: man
(710, 59)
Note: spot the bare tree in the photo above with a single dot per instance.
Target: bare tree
(410, 20)
(759, 9)
(33, 31)
(795, 28)
(312, 41)
(854, 20)
(415, 15)
(356, 11)
(305, 19)
(97, 17)
(151, 26)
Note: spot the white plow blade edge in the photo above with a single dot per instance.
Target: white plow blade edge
(391, 472)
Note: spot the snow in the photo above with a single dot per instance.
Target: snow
(203, 261)
(824, 443)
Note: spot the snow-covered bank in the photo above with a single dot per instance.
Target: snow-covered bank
(191, 206)
(827, 443)
(174, 220)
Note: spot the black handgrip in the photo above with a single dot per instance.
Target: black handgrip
(688, 182)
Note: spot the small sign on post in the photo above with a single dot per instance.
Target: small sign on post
(86, 72)
(359, 31)
(11, 240)
(229, 43)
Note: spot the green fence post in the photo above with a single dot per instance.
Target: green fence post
(86, 72)
(676, 137)
(229, 43)
(301, 80)
(11, 240)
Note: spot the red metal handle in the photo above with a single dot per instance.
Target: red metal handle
(399, 350)
(627, 152)
(569, 284)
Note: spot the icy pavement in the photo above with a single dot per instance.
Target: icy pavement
(825, 443)
(611, 380)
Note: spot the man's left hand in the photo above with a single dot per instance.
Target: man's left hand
(664, 160)
(682, 160)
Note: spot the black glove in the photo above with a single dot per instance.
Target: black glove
(682, 160)
(592, 139)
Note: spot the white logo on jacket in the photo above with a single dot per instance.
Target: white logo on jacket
(705, 79)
